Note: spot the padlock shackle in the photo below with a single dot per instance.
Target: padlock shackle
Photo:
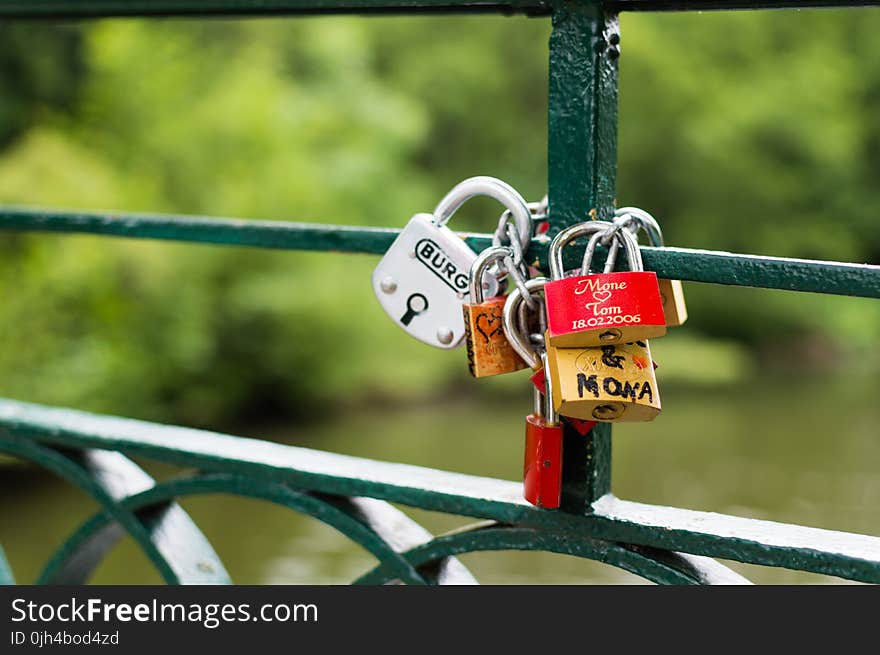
(483, 185)
(633, 254)
(630, 244)
(511, 326)
(478, 269)
(550, 415)
(641, 219)
(569, 234)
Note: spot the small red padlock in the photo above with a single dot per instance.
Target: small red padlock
(603, 308)
(542, 464)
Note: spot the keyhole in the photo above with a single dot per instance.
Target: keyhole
(412, 310)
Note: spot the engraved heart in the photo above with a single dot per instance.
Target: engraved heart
(484, 324)
(601, 296)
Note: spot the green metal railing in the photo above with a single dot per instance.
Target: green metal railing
(662, 544)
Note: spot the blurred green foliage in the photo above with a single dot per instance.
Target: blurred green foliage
(752, 132)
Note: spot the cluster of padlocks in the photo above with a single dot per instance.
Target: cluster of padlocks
(584, 333)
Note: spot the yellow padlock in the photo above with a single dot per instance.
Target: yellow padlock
(672, 297)
(613, 383)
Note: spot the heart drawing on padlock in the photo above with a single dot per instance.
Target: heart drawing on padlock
(488, 331)
(599, 297)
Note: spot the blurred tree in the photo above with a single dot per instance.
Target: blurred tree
(757, 132)
(41, 68)
(751, 132)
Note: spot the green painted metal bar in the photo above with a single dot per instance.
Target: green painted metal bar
(704, 570)
(582, 117)
(784, 273)
(376, 526)
(699, 533)
(582, 166)
(662, 567)
(675, 263)
(51, 9)
(487, 539)
(167, 536)
(199, 229)
(89, 539)
(6, 577)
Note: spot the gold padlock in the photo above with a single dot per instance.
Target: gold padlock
(671, 292)
(605, 383)
(672, 297)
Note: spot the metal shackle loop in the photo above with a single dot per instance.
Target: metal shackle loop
(511, 323)
(483, 185)
(540, 209)
(550, 415)
(631, 247)
(640, 219)
(481, 264)
(569, 234)
(590, 250)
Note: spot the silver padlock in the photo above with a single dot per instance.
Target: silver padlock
(422, 281)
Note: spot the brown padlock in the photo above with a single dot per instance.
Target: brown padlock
(488, 350)
(613, 383)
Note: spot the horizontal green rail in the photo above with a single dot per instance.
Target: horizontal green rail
(754, 541)
(223, 231)
(99, 8)
(675, 263)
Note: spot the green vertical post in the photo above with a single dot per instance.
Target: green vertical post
(582, 165)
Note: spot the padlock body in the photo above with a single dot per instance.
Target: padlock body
(614, 383)
(422, 281)
(488, 350)
(542, 467)
(605, 308)
(672, 297)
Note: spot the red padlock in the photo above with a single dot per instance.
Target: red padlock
(542, 465)
(602, 308)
